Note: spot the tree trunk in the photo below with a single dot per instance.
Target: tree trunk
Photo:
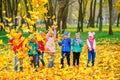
(49, 15)
(110, 18)
(90, 18)
(64, 18)
(100, 15)
(62, 14)
(27, 9)
(9, 8)
(5, 7)
(15, 10)
(1, 17)
(118, 19)
(80, 16)
(93, 16)
(82, 11)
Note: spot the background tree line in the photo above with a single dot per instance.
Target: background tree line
(80, 12)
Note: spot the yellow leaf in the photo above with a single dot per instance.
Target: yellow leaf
(8, 19)
(2, 25)
(1, 42)
(53, 17)
(7, 29)
(31, 28)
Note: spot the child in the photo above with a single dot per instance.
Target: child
(33, 51)
(50, 47)
(66, 44)
(16, 43)
(41, 49)
(77, 45)
(91, 43)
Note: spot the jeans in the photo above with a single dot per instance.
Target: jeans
(67, 54)
(91, 56)
(51, 61)
(76, 56)
(34, 60)
(16, 63)
(40, 57)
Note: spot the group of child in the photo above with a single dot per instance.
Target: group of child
(38, 44)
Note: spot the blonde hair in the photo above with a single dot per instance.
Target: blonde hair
(77, 34)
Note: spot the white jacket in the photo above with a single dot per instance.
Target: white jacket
(89, 46)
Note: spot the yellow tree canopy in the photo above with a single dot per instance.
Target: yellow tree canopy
(118, 5)
(39, 9)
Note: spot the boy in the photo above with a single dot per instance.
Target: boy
(66, 46)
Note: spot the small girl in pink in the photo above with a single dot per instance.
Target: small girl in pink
(91, 44)
(50, 46)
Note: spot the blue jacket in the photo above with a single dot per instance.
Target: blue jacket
(66, 44)
(77, 47)
(34, 48)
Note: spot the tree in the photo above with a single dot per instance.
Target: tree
(117, 4)
(110, 16)
(27, 9)
(82, 11)
(1, 18)
(100, 16)
(92, 13)
(50, 14)
(62, 14)
(118, 19)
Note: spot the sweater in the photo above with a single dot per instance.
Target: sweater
(34, 48)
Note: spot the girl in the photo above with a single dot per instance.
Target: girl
(77, 45)
(17, 43)
(33, 51)
(50, 46)
(41, 49)
(91, 43)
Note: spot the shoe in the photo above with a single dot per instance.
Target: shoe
(62, 67)
(88, 66)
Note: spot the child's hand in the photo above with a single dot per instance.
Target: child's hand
(58, 40)
(68, 35)
(62, 44)
(90, 49)
(95, 50)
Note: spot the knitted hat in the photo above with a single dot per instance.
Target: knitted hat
(91, 34)
(66, 33)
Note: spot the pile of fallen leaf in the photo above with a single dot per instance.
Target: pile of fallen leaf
(107, 65)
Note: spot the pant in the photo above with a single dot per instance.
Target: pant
(67, 54)
(40, 57)
(51, 61)
(76, 56)
(34, 60)
(91, 55)
(16, 64)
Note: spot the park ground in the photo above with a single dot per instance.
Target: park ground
(107, 64)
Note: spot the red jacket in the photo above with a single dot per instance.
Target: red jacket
(41, 46)
(15, 47)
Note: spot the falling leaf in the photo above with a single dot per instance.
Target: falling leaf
(1, 41)
(8, 19)
(2, 25)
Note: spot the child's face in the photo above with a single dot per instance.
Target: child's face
(77, 36)
(90, 37)
(65, 36)
(50, 35)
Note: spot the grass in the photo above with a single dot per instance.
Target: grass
(99, 35)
